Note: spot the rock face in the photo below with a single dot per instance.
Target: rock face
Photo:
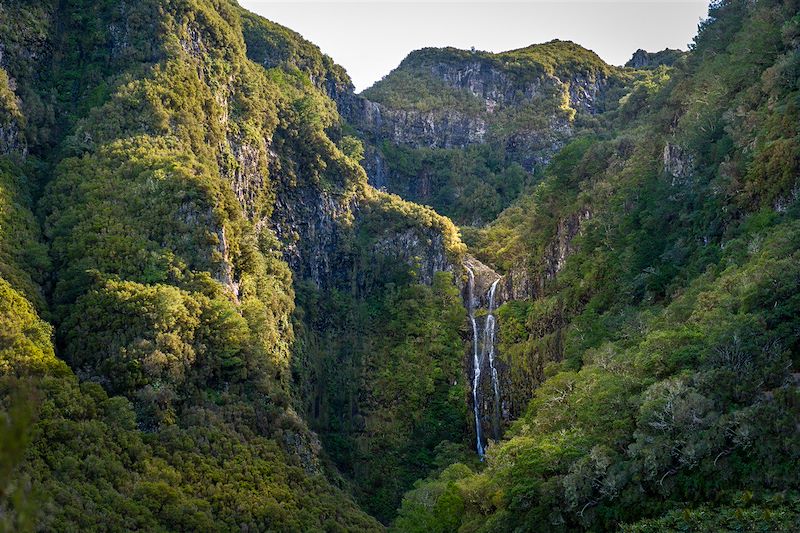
(484, 276)
(678, 163)
(644, 59)
(431, 129)
(315, 222)
(423, 250)
(562, 246)
(317, 228)
(485, 90)
(524, 283)
(310, 226)
(12, 139)
(375, 166)
(507, 113)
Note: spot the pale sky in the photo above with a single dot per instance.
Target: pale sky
(369, 38)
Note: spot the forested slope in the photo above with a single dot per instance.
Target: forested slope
(166, 186)
(658, 336)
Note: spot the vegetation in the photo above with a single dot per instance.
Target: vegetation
(470, 185)
(656, 367)
(412, 85)
(161, 289)
(644, 59)
(210, 322)
(528, 103)
(388, 391)
(379, 361)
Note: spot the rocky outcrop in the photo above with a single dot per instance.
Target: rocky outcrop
(522, 106)
(516, 284)
(317, 228)
(643, 59)
(442, 128)
(310, 225)
(12, 141)
(678, 163)
(249, 175)
(496, 83)
(562, 246)
(423, 251)
(484, 277)
(495, 91)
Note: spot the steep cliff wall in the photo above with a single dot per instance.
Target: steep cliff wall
(479, 92)
(512, 110)
(374, 280)
(519, 357)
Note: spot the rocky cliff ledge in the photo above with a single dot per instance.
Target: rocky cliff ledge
(496, 118)
(449, 98)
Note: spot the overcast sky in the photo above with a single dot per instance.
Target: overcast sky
(370, 38)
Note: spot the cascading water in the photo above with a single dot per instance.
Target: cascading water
(488, 343)
(476, 360)
(479, 355)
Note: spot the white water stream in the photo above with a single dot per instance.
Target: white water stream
(480, 351)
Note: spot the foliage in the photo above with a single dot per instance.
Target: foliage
(655, 366)
(182, 145)
(386, 375)
(202, 474)
(773, 514)
(405, 87)
(421, 91)
(470, 185)
(272, 45)
(163, 289)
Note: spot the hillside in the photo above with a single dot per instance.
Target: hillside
(173, 176)
(648, 333)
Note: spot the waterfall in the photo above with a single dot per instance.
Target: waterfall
(476, 361)
(488, 344)
(480, 352)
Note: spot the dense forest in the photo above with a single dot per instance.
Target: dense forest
(518, 291)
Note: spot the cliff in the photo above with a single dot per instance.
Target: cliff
(644, 59)
(522, 105)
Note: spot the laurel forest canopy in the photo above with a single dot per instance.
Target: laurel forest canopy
(494, 292)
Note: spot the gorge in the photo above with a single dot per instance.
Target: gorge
(516, 291)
